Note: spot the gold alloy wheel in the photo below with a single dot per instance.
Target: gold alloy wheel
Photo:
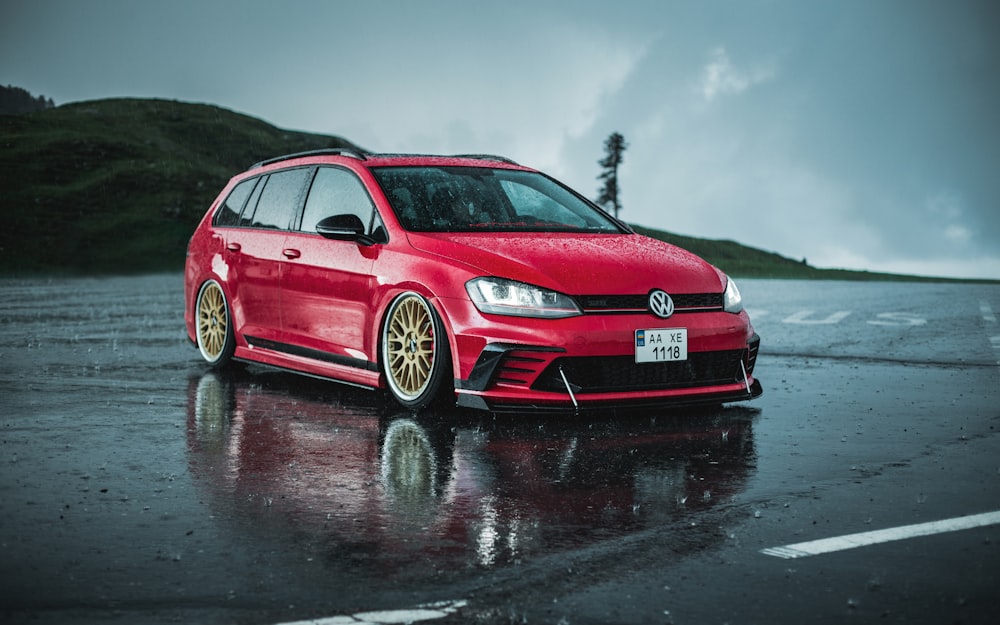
(213, 322)
(410, 346)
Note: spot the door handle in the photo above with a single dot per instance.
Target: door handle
(290, 253)
(233, 247)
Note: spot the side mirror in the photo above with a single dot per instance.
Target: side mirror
(342, 228)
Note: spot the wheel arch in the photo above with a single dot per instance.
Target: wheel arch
(386, 300)
(231, 336)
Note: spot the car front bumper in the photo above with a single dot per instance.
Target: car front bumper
(588, 361)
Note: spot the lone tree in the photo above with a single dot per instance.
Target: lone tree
(614, 147)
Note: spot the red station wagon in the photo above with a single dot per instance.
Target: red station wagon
(465, 278)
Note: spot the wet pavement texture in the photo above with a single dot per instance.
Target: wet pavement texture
(137, 486)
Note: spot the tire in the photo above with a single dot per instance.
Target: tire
(415, 356)
(214, 327)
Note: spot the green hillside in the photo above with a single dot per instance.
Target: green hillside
(117, 186)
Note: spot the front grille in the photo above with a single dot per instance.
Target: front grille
(596, 374)
(614, 302)
(698, 300)
(683, 302)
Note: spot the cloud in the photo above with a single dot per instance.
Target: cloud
(946, 204)
(465, 89)
(720, 77)
(945, 212)
(957, 234)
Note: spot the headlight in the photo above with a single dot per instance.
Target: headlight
(732, 300)
(507, 297)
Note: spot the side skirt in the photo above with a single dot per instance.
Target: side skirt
(315, 376)
(321, 365)
(312, 354)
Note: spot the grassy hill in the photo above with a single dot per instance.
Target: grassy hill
(117, 186)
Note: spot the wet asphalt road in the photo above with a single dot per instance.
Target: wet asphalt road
(136, 487)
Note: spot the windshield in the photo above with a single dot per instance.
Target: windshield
(480, 199)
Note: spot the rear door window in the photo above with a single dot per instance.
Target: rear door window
(280, 200)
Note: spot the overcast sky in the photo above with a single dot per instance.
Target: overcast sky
(854, 133)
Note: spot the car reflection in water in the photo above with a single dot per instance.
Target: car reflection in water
(281, 455)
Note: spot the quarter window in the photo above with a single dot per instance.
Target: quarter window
(247, 213)
(229, 213)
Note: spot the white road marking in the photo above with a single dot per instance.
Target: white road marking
(897, 319)
(801, 318)
(863, 539)
(426, 612)
(987, 312)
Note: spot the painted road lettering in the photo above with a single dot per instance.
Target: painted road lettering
(811, 317)
(897, 319)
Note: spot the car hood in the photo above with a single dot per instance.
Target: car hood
(578, 264)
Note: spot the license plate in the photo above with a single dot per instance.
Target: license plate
(661, 345)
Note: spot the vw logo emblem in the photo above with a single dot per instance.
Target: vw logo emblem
(661, 304)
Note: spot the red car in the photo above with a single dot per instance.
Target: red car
(469, 278)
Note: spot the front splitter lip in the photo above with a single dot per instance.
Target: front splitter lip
(563, 404)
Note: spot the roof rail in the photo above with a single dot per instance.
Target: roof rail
(358, 154)
(488, 157)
